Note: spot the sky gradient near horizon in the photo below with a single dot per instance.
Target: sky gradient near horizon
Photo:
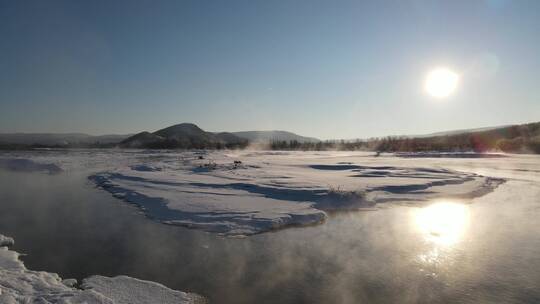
(328, 69)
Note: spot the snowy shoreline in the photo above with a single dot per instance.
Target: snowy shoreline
(21, 285)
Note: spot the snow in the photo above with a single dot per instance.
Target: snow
(246, 192)
(20, 285)
(237, 193)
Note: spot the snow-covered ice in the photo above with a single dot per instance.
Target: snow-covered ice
(249, 192)
(21, 285)
(243, 193)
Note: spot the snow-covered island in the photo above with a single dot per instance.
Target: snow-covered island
(21, 285)
(237, 193)
(244, 193)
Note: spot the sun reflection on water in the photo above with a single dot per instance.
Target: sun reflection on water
(443, 223)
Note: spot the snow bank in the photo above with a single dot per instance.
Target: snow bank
(248, 193)
(20, 285)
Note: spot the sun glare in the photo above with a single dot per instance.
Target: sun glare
(444, 223)
(441, 82)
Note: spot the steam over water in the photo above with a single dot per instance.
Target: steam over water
(481, 251)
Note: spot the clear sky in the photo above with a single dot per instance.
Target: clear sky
(330, 69)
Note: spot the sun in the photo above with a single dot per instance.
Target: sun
(441, 82)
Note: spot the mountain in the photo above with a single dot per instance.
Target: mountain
(272, 136)
(58, 139)
(184, 136)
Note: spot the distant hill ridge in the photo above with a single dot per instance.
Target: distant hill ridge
(461, 131)
(183, 135)
(524, 138)
(59, 139)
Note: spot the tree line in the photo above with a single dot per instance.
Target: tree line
(512, 139)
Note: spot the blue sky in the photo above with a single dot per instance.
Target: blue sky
(330, 69)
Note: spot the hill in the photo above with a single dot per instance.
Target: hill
(184, 136)
(142, 139)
